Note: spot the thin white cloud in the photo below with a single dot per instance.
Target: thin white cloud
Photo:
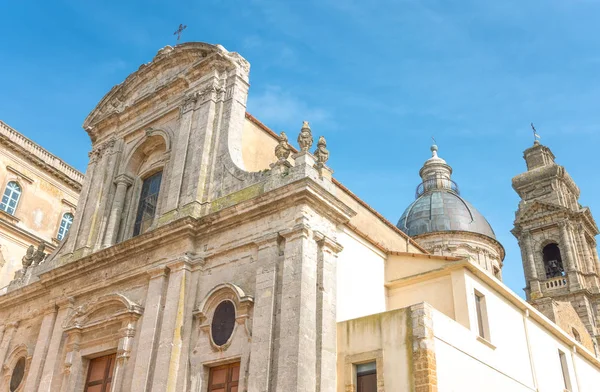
(282, 110)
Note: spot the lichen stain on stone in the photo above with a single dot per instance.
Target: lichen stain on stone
(237, 197)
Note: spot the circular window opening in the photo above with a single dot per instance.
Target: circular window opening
(17, 375)
(223, 323)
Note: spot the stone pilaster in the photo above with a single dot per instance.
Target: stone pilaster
(571, 267)
(123, 182)
(531, 270)
(9, 332)
(264, 320)
(169, 350)
(297, 355)
(73, 364)
(52, 364)
(181, 145)
(585, 247)
(326, 330)
(424, 365)
(149, 333)
(41, 349)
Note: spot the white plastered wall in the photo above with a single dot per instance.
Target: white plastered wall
(360, 278)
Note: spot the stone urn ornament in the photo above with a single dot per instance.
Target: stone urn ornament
(27, 260)
(283, 149)
(305, 138)
(321, 153)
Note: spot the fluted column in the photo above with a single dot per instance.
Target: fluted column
(123, 182)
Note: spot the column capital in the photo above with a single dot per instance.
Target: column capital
(124, 179)
(327, 242)
(67, 302)
(267, 240)
(158, 272)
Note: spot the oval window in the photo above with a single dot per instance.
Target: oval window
(17, 375)
(223, 323)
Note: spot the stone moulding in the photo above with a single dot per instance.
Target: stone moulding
(243, 305)
(40, 157)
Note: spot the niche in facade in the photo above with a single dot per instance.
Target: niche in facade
(553, 261)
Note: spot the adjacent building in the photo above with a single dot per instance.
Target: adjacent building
(209, 254)
(40, 193)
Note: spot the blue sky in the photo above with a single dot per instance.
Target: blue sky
(378, 78)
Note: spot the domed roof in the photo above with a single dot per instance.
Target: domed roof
(439, 206)
(442, 210)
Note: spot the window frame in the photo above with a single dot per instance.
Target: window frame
(62, 218)
(17, 202)
(481, 315)
(564, 365)
(135, 210)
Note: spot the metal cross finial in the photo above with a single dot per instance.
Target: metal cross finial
(179, 31)
(433, 138)
(536, 137)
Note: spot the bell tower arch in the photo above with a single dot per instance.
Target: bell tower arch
(557, 237)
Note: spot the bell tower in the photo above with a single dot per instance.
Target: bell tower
(557, 239)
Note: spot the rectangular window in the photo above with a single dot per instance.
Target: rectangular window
(100, 372)
(366, 377)
(482, 317)
(224, 378)
(147, 205)
(565, 370)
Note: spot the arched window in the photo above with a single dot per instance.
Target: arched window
(553, 261)
(11, 197)
(147, 204)
(65, 225)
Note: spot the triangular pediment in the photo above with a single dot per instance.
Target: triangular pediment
(183, 64)
(537, 209)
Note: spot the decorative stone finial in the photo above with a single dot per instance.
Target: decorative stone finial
(434, 150)
(305, 139)
(28, 258)
(283, 149)
(321, 153)
(39, 254)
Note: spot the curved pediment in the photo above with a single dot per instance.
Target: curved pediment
(182, 64)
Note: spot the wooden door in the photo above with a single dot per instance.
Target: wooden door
(100, 372)
(224, 378)
(367, 382)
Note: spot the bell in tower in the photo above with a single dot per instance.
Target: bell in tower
(557, 240)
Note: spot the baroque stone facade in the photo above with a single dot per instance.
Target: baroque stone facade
(208, 253)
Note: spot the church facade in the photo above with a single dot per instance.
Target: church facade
(210, 254)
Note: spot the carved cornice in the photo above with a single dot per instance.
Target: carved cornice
(40, 157)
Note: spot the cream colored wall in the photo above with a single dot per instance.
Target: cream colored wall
(374, 228)
(360, 278)
(437, 292)
(258, 147)
(39, 211)
(381, 338)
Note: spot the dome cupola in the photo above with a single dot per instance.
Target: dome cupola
(445, 223)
